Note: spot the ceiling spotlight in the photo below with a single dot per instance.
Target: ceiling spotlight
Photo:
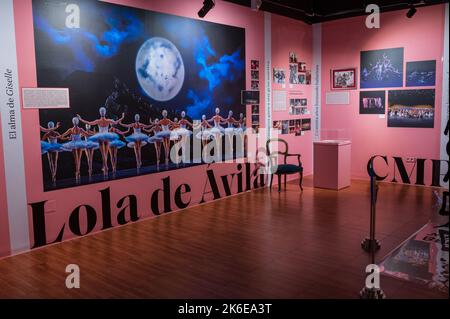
(207, 5)
(412, 11)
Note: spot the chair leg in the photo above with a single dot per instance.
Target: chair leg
(271, 181)
(301, 181)
(279, 182)
(285, 177)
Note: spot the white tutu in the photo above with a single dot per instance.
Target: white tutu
(230, 130)
(131, 144)
(239, 131)
(183, 131)
(155, 139)
(174, 136)
(204, 134)
(163, 134)
(216, 131)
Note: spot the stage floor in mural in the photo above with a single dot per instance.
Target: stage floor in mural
(124, 173)
(422, 258)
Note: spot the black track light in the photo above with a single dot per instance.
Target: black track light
(207, 5)
(412, 11)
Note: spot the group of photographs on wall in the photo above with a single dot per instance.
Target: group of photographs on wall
(254, 70)
(385, 69)
(255, 118)
(298, 74)
(298, 106)
(296, 127)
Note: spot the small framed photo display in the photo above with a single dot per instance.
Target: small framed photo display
(343, 79)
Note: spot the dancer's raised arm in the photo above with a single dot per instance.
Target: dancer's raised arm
(119, 121)
(126, 125)
(66, 133)
(87, 122)
(50, 129)
(150, 129)
(121, 132)
(147, 126)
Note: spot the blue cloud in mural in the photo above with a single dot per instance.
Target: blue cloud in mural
(200, 103)
(227, 67)
(121, 27)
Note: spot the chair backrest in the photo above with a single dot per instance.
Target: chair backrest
(277, 152)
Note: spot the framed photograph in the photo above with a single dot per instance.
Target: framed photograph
(308, 77)
(255, 109)
(421, 73)
(297, 106)
(298, 127)
(292, 57)
(411, 108)
(343, 79)
(302, 66)
(372, 102)
(306, 124)
(381, 68)
(255, 85)
(255, 75)
(277, 125)
(302, 78)
(249, 97)
(254, 64)
(293, 73)
(285, 127)
(279, 76)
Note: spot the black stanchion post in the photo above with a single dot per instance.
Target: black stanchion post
(371, 244)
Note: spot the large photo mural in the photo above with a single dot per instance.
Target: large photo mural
(139, 82)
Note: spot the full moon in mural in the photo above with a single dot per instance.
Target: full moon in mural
(160, 69)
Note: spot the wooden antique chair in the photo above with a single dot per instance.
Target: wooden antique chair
(285, 168)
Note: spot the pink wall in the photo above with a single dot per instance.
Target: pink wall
(289, 35)
(342, 41)
(62, 202)
(4, 229)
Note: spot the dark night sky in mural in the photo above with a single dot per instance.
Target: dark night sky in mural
(204, 62)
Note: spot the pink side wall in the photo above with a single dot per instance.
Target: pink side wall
(342, 41)
(289, 35)
(4, 229)
(62, 202)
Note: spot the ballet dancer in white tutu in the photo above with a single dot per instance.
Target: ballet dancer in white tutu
(90, 148)
(230, 131)
(155, 140)
(51, 147)
(76, 144)
(204, 134)
(217, 131)
(138, 139)
(165, 134)
(241, 138)
(103, 137)
(116, 145)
